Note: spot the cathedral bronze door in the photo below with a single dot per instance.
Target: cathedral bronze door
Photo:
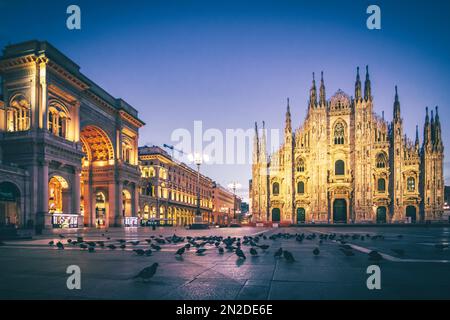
(381, 215)
(301, 216)
(276, 215)
(340, 211)
(411, 213)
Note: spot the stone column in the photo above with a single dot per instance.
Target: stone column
(76, 196)
(43, 195)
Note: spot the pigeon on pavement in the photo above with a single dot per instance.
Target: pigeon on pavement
(147, 273)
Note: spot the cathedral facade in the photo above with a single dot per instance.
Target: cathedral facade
(346, 164)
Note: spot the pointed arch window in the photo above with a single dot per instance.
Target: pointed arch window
(381, 160)
(301, 166)
(339, 133)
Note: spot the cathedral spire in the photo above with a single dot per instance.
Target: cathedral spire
(288, 126)
(433, 128)
(263, 144)
(322, 91)
(437, 131)
(313, 94)
(417, 138)
(357, 85)
(396, 105)
(256, 145)
(426, 129)
(367, 86)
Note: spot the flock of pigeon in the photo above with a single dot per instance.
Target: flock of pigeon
(201, 244)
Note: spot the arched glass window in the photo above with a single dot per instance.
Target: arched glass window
(18, 114)
(381, 160)
(381, 185)
(339, 133)
(57, 121)
(276, 188)
(339, 168)
(411, 184)
(300, 187)
(301, 166)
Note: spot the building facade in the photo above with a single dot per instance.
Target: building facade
(347, 164)
(226, 205)
(168, 190)
(68, 149)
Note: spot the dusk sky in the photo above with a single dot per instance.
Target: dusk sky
(230, 63)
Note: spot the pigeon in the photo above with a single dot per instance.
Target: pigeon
(288, 256)
(180, 251)
(134, 243)
(121, 241)
(139, 252)
(399, 252)
(51, 243)
(112, 247)
(200, 251)
(147, 273)
(264, 246)
(83, 246)
(60, 245)
(156, 247)
(278, 253)
(91, 249)
(148, 252)
(253, 252)
(316, 251)
(375, 256)
(123, 246)
(61, 236)
(240, 254)
(347, 252)
(221, 250)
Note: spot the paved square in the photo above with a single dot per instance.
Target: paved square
(413, 267)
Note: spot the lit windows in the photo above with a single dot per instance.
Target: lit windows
(411, 184)
(18, 114)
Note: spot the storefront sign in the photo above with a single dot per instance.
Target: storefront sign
(130, 222)
(64, 221)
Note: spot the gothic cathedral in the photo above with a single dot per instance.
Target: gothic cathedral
(346, 164)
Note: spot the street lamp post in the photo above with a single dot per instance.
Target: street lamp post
(234, 186)
(198, 220)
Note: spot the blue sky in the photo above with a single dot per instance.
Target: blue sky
(229, 63)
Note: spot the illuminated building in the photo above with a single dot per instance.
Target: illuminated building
(68, 149)
(168, 187)
(347, 164)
